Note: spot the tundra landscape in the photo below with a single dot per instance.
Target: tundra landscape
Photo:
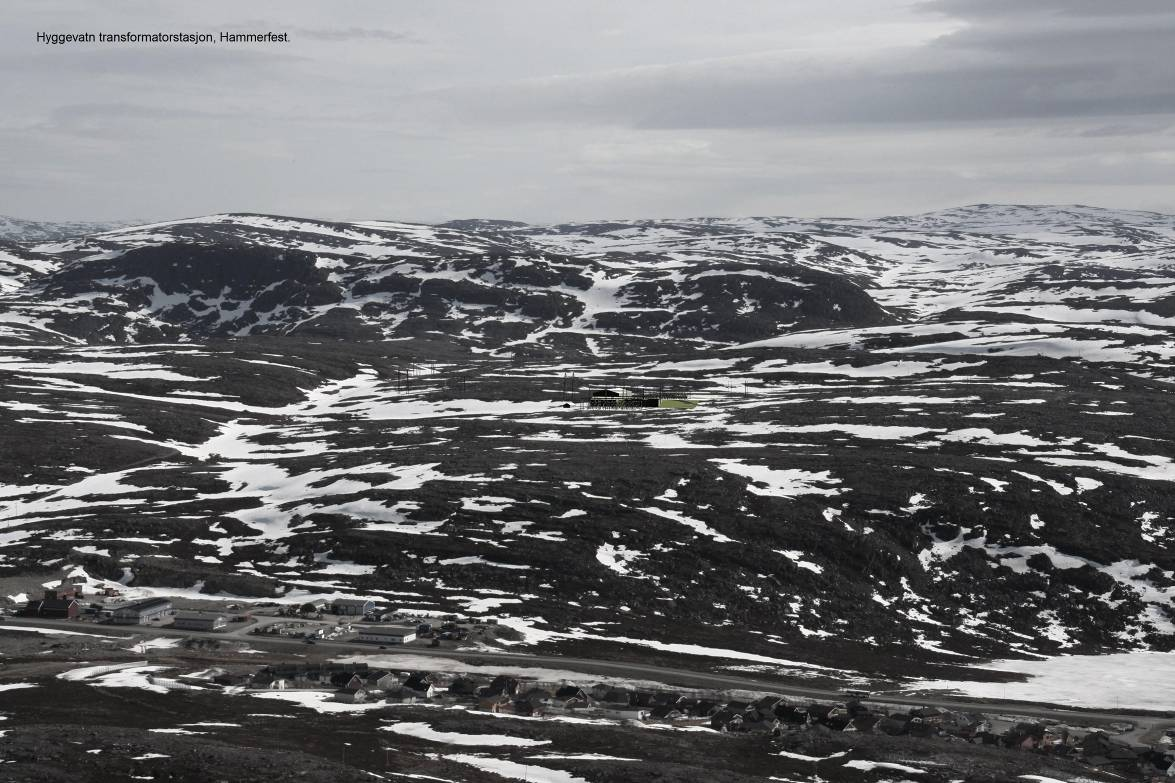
(899, 507)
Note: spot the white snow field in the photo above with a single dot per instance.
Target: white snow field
(426, 732)
(1140, 680)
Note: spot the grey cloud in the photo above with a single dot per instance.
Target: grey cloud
(121, 120)
(148, 62)
(990, 70)
(1125, 129)
(689, 99)
(540, 111)
(1022, 8)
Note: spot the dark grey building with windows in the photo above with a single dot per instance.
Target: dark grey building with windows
(199, 621)
(142, 612)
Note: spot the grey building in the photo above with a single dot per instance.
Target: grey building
(352, 606)
(142, 612)
(199, 621)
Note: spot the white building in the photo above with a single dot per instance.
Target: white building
(386, 634)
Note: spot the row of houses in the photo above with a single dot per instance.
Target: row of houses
(1094, 748)
(501, 694)
(770, 713)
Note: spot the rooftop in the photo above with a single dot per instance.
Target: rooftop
(192, 615)
(150, 603)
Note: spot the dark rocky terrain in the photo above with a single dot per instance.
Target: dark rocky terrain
(919, 438)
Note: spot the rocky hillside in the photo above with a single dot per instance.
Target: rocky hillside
(940, 433)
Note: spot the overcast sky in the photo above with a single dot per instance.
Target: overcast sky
(545, 110)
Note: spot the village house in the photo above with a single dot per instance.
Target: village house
(964, 724)
(622, 712)
(534, 701)
(767, 705)
(66, 588)
(666, 713)
(267, 680)
(571, 697)
(838, 717)
(792, 714)
(537, 695)
(351, 695)
(699, 708)
(1100, 750)
(347, 680)
(931, 716)
(421, 685)
(862, 723)
(56, 604)
(727, 721)
(497, 702)
(599, 690)
(528, 708)
(399, 694)
(381, 681)
(499, 686)
(465, 686)
(613, 696)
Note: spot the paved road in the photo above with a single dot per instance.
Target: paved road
(1145, 722)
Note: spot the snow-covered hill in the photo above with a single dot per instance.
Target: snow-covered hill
(17, 230)
(1053, 281)
(238, 275)
(943, 433)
